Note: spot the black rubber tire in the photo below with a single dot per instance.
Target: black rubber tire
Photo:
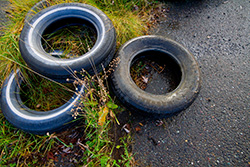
(135, 98)
(32, 121)
(60, 69)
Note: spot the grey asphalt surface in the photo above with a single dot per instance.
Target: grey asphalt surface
(215, 129)
(3, 4)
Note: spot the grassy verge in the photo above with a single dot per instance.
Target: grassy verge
(90, 143)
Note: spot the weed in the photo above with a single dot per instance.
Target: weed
(130, 19)
(40, 94)
(16, 145)
(77, 40)
(99, 111)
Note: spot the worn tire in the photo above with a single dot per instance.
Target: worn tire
(135, 98)
(32, 121)
(53, 18)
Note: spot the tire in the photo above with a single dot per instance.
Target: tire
(135, 98)
(31, 121)
(56, 17)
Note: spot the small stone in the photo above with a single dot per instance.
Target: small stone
(208, 99)
(38, 106)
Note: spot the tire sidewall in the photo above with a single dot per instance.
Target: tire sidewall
(40, 61)
(131, 95)
(32, 121)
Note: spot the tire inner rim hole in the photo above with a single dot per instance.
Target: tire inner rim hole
(69, 38)
(155, 72)
(39, 94)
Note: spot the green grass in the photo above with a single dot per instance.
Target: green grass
(100, 112)
(77, 40)
(40, 94)
(15, 145)
(96, 145)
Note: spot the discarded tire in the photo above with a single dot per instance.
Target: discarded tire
(36, 122)
(59, 16)
(139, 100)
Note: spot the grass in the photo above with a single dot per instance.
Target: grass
(91, 142)
(40, 94)
(15, 145)
(77, 40)
(99, 113)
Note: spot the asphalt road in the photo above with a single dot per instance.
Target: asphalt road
(3, 4)
(215, 129)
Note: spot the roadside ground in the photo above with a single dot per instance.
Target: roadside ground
(215, 129)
